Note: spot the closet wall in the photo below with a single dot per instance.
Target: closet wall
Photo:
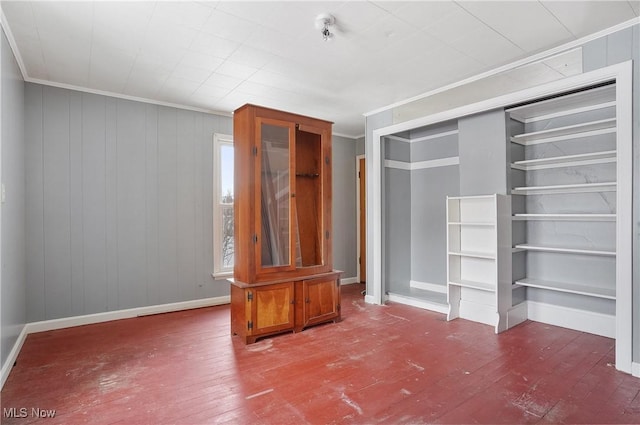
(397, 228)
(435, 175)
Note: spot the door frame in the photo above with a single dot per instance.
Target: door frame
(358, 235)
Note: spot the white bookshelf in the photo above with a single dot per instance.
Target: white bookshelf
(478, 242)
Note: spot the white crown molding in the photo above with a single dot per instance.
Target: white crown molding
(346, 136)
(525, 61)
(13, 44)
(126, 97)
(25, 76)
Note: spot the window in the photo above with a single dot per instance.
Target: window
(222, 205)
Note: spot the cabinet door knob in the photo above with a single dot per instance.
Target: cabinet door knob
(307, 300)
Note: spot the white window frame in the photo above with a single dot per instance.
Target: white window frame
(219, 140)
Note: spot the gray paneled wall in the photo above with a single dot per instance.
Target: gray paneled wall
(13, 293)
(119, 203)
(119, 197)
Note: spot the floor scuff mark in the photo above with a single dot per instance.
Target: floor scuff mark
(249, 397)
(397, 317)
(357, 305)
(351, 403)
(260, 346)
(417, 366)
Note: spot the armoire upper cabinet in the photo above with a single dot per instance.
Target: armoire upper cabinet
(282, 195)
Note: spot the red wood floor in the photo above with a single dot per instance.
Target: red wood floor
(382, 364)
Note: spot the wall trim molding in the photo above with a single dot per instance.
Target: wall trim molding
(635, 369)
(13, 356)
(349, 280)
(572, 318)
(427, 286)
(416, 302)
(89, 319)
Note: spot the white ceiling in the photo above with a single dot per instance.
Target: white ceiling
(220, 55)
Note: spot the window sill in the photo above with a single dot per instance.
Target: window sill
(221, 275)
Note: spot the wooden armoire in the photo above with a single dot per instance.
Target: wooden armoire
(283, 271)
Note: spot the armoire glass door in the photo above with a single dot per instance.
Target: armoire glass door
(276, 240)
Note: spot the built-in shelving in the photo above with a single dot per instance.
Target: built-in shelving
(472, 254)
(478, 224)
(565, 250)
(565, 188)
(478, 242)
(482, 286)
(566, 161)
(567, 145)
(564, 217)
(572, 288)
(576, 131)
(575, 103)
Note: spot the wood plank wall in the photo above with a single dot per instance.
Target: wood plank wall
(119, 203)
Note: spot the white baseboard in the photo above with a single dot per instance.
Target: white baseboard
(433, 287)
(580, 320)
(349, 280)
(67, 322)
(369, 299)
(517, 314)
(13, 356)
(415, 302)
(635, 369)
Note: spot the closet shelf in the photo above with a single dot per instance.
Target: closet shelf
(566, 250)
(565, 188)
(467, 223)
(566, 161)
(598, 98)
(482, 286)
(564, 217)
(575, 131)
(485, 255)
(573, 288)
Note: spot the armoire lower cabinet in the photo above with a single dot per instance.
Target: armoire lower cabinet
(283, 277)
(265, 309)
